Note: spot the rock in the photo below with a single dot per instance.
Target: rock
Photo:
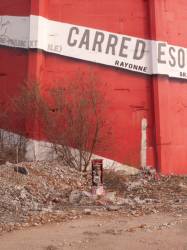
(51, 247)
(113, 208)
(47, 210)
(129, 202)
(86, 198)
(21, 170)
(178, 200)
(8, 164)
(87, 211)
(87, 194)
(149, 170)
(75, 196)
(35, 206)
(120, 201)
(139, 201)
(23, 194)
(182, 186)
(134, 185)
(111, 196)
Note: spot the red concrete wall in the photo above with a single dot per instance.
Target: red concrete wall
(131, 96)
(169, 23)
(13, 65)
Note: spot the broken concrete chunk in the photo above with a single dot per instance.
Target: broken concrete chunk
(113, 208)
(134, 185)
(75, 196)
(86, 198)
(183, 186)
(87, 211)
(139, 201)
(21, 170)
(111, 196)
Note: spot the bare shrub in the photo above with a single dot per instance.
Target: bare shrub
(12, 144)
(28, 103)
(115, 180)
(74, 119)
(12, 147)
(28, 106)
(70, 116)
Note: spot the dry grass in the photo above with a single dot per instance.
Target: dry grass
(115, 181)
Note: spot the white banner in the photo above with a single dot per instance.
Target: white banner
(117, 50)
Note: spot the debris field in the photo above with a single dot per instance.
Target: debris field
(36, 193)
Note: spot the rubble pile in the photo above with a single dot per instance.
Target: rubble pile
(41, 190)
(35, 193)
(144, 193)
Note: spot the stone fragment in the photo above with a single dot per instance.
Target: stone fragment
(139, 201)
(86, 198)
(134, 185)
(113, 208)
(75, 196)
(87, 211)
(21, 170)
(111, 196)
(183, 186)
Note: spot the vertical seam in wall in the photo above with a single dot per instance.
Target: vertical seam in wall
(152, 30)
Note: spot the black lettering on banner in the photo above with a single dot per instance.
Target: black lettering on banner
(85, 39)
(144, 69)
(74, 42)
(124, 47)
(161, 53)
(175, 55)
(140, 68)
(183, 74)
(130, 66)
(126, 64)
(116, 63)
(98, 40)
(181, 58)
(112, 42)
(140, 47)
(172, 62)
(135, 67)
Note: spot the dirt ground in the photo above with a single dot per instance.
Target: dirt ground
(109, 231)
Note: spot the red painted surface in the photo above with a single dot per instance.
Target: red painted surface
(131, 96)
(169, 23)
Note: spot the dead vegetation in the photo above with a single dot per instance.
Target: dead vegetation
(115, 181)
(70, 116)
(78, 105)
